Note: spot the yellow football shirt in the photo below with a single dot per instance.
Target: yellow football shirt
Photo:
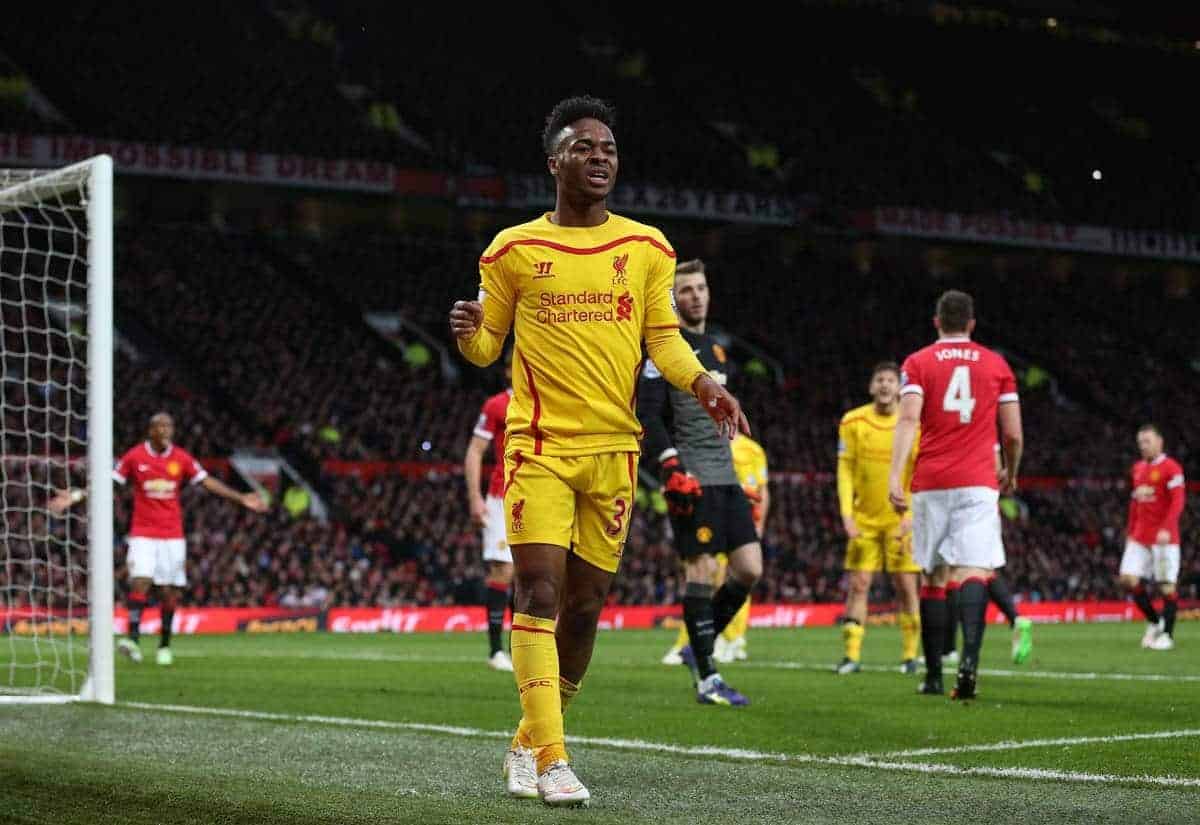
(864, 463)
(749, 462)
(581, 301)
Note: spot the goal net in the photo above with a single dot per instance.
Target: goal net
(56, 572)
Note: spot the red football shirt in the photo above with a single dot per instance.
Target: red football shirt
(1156, 500)
(962, 384)
(157, 481)
(491, 426)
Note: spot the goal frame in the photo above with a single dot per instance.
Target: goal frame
(99, 683)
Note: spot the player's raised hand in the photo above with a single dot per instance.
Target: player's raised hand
(465, 318)
(721, 407)
(253, 501)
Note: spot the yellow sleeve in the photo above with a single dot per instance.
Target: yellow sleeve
(660, 290)
(660, 326)
(845, 468)
(674, 358)
(498, 297)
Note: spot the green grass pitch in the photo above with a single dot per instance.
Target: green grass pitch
(385, 728)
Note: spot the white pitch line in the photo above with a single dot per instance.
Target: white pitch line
(767, 664)
(1028, 773)
(1039, 743)
(684, 750)
(1029, 674)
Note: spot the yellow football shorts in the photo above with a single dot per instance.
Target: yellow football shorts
(580, 502)
(876, 550)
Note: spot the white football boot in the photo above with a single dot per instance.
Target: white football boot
(129, 648)
(560, 787)
(520, 773)
(672, 657)
(500, 661)
(1153, 631)
(1163, 642)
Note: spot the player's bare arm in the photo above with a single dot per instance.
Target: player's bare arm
(1012, 441)
(902, 444)
(721, 406)
(472, 471)
(251, 501)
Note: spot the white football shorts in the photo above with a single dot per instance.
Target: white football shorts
(958, 527)
(161, 560)
(495, 537)
(1159, 563)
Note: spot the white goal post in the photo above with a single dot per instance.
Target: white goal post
(56, 573)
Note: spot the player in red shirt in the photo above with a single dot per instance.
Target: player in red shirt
(489, 515)
(956, 390)
(156, 546)
(1152, 537)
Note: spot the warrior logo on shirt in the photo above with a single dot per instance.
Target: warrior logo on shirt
(624, 307)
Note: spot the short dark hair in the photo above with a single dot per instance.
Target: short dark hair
(885, 366)
(693, 267)
(955, 310)
(1151, 428)
(570, 110)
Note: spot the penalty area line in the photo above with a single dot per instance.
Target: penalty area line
(644, 746)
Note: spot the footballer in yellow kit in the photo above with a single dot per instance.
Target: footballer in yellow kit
(582, 299)
(582, 290)
(750, 464)
(878, 538)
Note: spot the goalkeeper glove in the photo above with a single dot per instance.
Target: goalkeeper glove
(679, 487)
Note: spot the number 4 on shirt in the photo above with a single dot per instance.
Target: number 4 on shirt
(958, 395)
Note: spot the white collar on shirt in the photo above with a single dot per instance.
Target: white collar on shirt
(164, 454)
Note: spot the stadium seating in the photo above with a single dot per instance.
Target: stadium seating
(411, 539)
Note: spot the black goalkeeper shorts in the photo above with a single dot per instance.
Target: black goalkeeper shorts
(721, 523)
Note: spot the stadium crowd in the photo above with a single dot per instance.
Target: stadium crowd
(248, 347)
(259, 340)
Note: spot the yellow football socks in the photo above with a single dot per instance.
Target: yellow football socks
(852, 636)
(681, 640)
(910, 635)
(535, 665)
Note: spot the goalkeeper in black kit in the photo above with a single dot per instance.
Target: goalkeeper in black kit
(709, 510)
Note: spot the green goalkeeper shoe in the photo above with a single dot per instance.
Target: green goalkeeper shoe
(1022, 640)
(164, 656)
